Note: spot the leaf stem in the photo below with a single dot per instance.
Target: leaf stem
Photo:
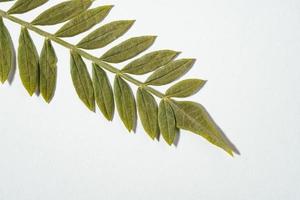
(83, 53)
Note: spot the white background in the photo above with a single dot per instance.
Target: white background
(249, 52)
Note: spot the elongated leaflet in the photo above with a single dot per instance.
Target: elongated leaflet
(105, 34)
(6, 52)
(62, 12)
(84, 21)
(148, 112)
(125, 103)
(170, 72)
(103, 92)
(167, 122)
(22, 6)
(28, 61)
(48, 71)
(150, 62)
(82, 81)
(185, 88)
(128, 49)
(193, 117)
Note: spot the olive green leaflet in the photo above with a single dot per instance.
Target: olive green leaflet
(185, 88)
(6, 52)
(103, 92)
(48, 71)
(148, 112)
(167, 122)
(28, 61)
(22, 6)
(123, 80)
(125, 103)
(82, 81)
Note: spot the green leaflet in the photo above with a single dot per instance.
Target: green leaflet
(128, 49)
(6, 52)
(28, 60)
(167, 122)
(148, 112)
(82, 81)
(125, 103)
(185, 88)
(170, 72)
(62, 12)
(150, 62)
(84, 21)
(105, 34)
(103, 92)
(193, 117)
(22, 6)
(48, 71)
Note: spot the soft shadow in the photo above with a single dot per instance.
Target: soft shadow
(12, 72)
(177, 138)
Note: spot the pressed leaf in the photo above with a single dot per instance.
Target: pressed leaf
(193, 117)
(6, 52)
(105, 34)
(185, 88)
(125, 103)
(82, 81)
(148, 112)
(103, 92)
(128, 49)
(62, 12)
(28, 62)
(170, 72)
(48, 71)
(150, 62)
(84, 21)
(167, 122)
(22, 6)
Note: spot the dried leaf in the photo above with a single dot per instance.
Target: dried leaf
(103, 92)
(84, 21)
(28, 60)
(48, 71)
(82, 81)
(193, 117)
(105, 34)
(6, 52)
(170, 72)
(148, 112)
(185, 88)
(125, 103)
(167, 122)
(150, 62)
(128, 49)
(62, 12)
(22, 6)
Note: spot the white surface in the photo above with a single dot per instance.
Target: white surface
(249, 52)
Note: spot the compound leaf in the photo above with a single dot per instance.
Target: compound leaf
(28, 61)
(125, 103)
(103, 92)
(128, 49)
(84, 21)
(82, 81)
